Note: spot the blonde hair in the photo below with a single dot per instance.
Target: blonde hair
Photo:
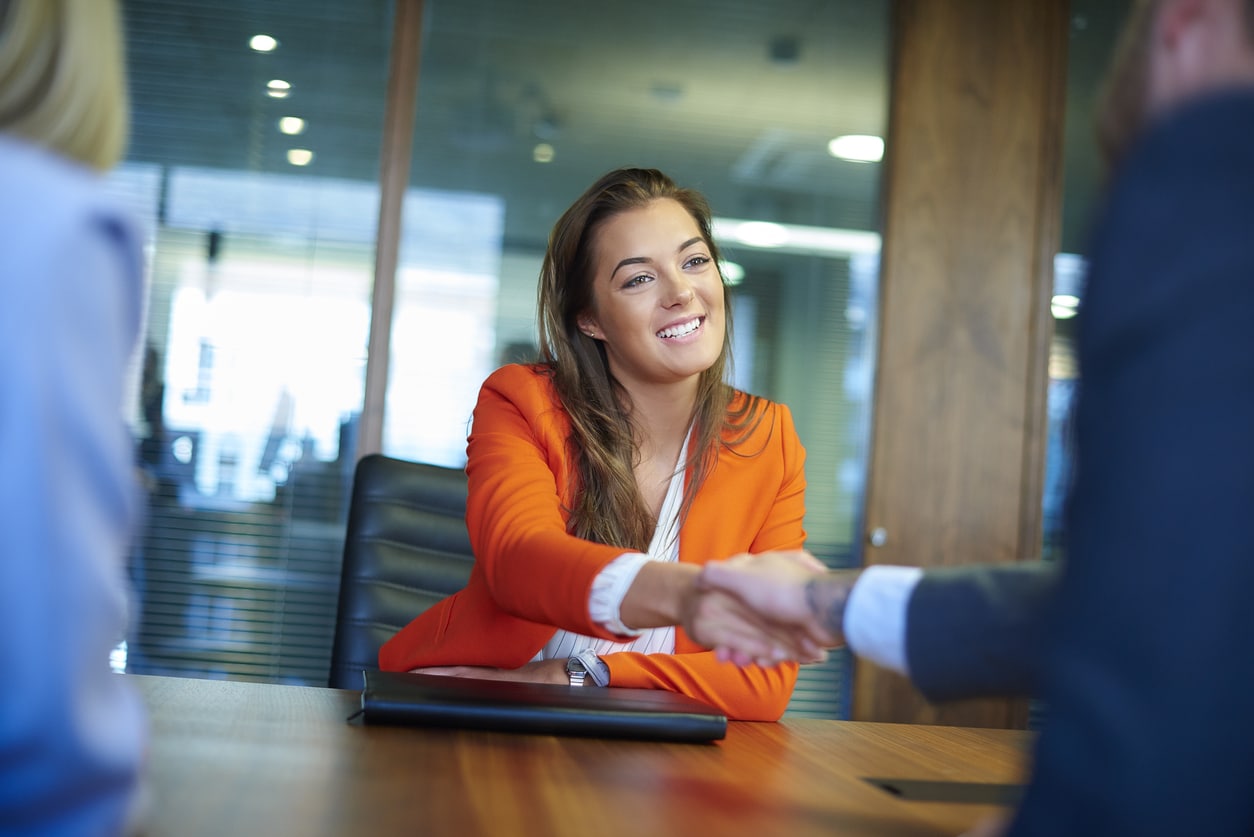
(63, 78)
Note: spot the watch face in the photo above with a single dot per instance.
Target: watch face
(575, 666)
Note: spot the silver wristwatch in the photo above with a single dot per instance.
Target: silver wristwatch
(576, 671)
(587, 664)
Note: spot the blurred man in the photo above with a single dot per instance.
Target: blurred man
(1140, 645)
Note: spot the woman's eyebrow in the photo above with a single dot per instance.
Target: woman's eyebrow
(696, 239)
(632, 260)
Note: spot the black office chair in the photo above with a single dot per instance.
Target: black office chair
(406, 548)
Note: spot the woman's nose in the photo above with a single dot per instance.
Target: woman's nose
(679, 291)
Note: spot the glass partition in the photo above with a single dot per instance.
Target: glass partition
(1094, 29)
(253, 162)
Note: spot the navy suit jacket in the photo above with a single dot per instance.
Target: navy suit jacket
(977, 631)
(1148, 668)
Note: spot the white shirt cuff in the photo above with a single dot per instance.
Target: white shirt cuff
(875, 615)
(609, 589)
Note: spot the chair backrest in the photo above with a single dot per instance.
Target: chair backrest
(406, 548)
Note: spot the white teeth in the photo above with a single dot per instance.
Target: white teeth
(680, 330)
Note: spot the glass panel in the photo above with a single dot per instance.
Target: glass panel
(522, 106)
(1094, 29)
(261, 247)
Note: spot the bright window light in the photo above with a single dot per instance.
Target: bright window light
(795, 238)
(732, 272)
(760, 234)
(1064, 306)
(263, 43)
(291, 125)
(860, 148)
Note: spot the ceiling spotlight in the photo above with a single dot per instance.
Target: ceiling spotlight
(291, 125)
(542, 153)
(860, 148)
(277, 88)
(300, 156)
(263, 43)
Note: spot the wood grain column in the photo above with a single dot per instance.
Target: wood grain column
(400, 107)
(972, 199)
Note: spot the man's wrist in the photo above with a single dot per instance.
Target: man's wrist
(826, 597)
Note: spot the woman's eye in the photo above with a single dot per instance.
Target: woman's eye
(637, 280)
(696, 261)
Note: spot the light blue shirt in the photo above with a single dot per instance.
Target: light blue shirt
(875, 615)
(72, 733)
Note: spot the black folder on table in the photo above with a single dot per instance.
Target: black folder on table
(431, 700)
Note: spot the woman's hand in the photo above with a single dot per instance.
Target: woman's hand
(540, 671)
(740, 635)
(783, 605)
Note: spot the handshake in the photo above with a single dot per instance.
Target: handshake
(768, 607)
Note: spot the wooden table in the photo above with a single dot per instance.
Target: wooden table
(231, 758)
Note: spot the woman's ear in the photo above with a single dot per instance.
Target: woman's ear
(589, 327)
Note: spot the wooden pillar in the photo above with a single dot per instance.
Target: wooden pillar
(973, 203)
(398, 138)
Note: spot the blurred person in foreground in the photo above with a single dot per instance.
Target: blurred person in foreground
(1140, 645)
(72, 734)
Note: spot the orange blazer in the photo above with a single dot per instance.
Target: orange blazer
(530, 576)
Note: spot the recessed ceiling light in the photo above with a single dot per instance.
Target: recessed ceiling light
(263, 43)
(860, 148)
(278, 88)
(542, 153)
(291, 125)
(300, 156)
(732, 272)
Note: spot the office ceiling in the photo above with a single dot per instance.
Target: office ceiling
(737, 97)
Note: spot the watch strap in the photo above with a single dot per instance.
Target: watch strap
(594, 666)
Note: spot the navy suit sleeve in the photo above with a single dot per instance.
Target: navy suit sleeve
(1149, 727)
(976, 631)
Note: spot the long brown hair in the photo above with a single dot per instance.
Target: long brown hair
(608, 507)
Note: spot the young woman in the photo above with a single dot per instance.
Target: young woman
(603, 477)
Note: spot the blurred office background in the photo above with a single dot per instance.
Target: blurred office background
(255, 167)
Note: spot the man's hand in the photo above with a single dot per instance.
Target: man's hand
(738, 634)
(996, 825)
(791, 602)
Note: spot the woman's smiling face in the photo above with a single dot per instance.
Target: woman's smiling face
(657, 296)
